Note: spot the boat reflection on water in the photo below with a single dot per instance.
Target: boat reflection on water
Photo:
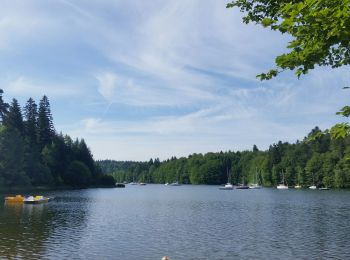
(25, 231)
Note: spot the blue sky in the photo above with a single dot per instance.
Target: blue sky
(145, 79)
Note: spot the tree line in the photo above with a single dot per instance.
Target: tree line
(322, 161)
(32, 153)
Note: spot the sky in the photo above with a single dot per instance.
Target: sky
(156, 79)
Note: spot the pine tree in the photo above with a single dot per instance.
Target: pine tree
(31, 121)
(14, 118)
(3, 107)
(11, 158)
(46, 130)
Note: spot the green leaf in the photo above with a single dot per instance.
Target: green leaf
(345, 111)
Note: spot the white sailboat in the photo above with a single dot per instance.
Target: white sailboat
(313, 186)
(228, 185)
(282, 186)
(298, 186)
(255, 185)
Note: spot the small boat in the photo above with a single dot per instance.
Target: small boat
(242, 187)
(282, 186)
(323, 188)
(120, 185)
(297, 187)
(15, 199)
(228, 186)
(313, 186)
(166, 184)
(175, 184)
(35, 200)
(255, 185)
(142, 183)
(132, 183)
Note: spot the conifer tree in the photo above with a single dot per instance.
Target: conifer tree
(3, 107)
(46, 130)
(14, 118)
(31, 121)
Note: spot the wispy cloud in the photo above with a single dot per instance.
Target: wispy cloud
(159, 78)
(22, 86)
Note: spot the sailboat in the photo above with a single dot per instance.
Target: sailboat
(313, 186)
(298, 186)
(228, 185)
(242, 186)
(282, 186)
(255, 185)
(133, 180)
(176, 183)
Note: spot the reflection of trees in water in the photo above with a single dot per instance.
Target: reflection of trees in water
(24, 228)
(68, 223)
(33, 231)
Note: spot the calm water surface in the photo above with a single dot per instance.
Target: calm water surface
(185, 222)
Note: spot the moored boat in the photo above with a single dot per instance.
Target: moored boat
(323, 188)
(256, 184)
(35, 199)
(313, 187)
(14, 199)
(228, 186)
(120, 185)
(242, 187)
(282, 187)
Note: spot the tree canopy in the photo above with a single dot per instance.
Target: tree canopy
(320, 31)
(32, 153)
(321, 162)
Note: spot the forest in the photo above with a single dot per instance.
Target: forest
(33, 154)
(318, 159)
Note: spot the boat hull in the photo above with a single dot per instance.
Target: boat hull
(242, 188)
(36, 201)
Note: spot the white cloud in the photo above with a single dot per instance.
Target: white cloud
(107, 85)
(22, 86)
(188, 67)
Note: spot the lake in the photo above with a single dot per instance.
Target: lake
(183, 222)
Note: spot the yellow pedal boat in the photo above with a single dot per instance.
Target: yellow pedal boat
(15, 199)
(27, 199)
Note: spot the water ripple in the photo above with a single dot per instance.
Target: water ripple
(186, 222)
